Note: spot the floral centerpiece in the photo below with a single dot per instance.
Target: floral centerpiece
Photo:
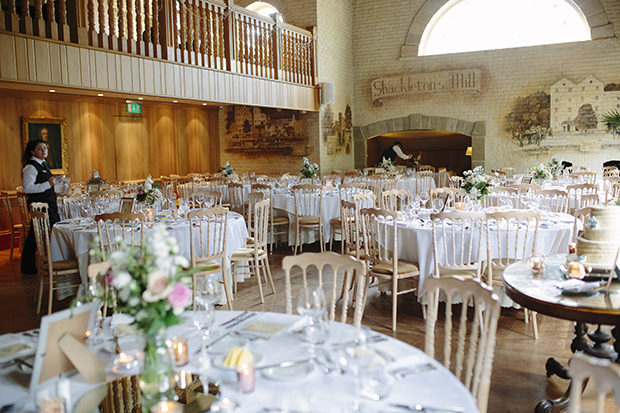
(541, 172)
(555, 167)
(152, 286)
(95, 179)
(415, 160)
(308, 169)
(387, 165)
(227, 170)
(149, 193)
(475, 184)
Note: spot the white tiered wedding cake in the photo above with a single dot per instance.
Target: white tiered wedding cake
(601, 237)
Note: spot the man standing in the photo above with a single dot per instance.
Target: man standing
(393, 151)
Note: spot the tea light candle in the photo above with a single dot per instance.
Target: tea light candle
(167, 407)
(179, 350)
(329, 187)
(245, 378)
(575, 270)
(125, 361)
(224, 406)
(572, 248)
(51, 405)
(537, 264)
(460, 206)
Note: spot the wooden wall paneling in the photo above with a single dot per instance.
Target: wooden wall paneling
(41, 61)
(106, 112)
(54, 62)
(125, 73)
(8, 69)
(158, 78)
(148, 78)
(101, 70)
(136, 86)
(85, 68)
(21, 59)
(64, 65)
(131, 143)
(74, 72)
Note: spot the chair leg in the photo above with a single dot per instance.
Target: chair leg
(12, 243)
(296, 239)
(394, 301)
(534, 324)
(227, 288)
(233, 267)
(258, 280)
(268, 269)
(51, 294)
(331, 236)
(40, 292)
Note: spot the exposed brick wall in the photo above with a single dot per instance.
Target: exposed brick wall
(380, 29)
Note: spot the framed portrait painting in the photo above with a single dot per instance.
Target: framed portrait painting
(54, 132)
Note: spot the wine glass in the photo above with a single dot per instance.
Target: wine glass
(424, 197)
(200, 198)
(172, 199)
(208, 292)
(183, 206)
(311, 305)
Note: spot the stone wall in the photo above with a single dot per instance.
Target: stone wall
(382, 28)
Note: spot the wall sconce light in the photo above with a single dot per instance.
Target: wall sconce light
(468, 151)
(327, 93)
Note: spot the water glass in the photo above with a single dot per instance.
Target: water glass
(183, 206)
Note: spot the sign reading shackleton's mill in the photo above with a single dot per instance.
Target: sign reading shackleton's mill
(449, 81)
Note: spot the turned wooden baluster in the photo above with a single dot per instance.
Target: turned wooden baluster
(122, 32)
(39, 23)
(12, 18)
(131, 28)
(25, 23)
(148, 28)
(92, 34)
(189, 6)
(156, 43)
(203, 34)
(196, 37)
(140, 32)
(62, 28)
(182, 55)
(51, 27)
(102, 40)
(112, 24)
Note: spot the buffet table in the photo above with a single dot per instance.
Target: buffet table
(275, 338)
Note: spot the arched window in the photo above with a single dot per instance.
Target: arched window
(472, 25)
(263, 8)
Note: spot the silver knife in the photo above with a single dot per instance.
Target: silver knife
(234, 318)
(241, 320)
(283, 364)
(420, 408)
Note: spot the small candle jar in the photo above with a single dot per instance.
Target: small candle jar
(125, 362)
(460, 206)
(576, 270)
(538, 263)
(51, 405)
(167, 407)
(179, 350)
(225, 405)
(329, 188)
(572, 248)
(245, 378)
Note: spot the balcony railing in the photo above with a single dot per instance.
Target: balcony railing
(209, 34)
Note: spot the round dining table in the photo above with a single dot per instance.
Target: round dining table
(542, 293)
(73, 239)
(413, 381)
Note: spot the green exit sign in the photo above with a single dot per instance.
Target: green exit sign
(134, 107)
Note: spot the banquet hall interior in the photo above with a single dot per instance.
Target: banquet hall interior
(177, 90)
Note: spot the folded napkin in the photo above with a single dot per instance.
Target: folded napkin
(578, 286)
(119, 318)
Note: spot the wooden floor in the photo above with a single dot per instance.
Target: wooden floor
(518, 382)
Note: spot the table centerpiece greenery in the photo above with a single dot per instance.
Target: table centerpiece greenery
(387, 165)
(308, 169)
(95, 179)
(475, 184)
(149, 193)
(227, 170)
(541, 173)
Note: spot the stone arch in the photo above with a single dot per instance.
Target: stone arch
(477, 131)
(600, 27)
(278, 4)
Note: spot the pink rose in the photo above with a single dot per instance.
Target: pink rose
(180, 296)
(157, 287)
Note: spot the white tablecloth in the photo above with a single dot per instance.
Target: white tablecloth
(330, 208)
(415, 244)
(68, 242)
(320, 391)
(409, 184)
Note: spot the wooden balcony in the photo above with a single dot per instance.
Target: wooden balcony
(190, 49)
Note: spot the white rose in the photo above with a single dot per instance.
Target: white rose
(133, 301)
(141, 315)
(121, 280)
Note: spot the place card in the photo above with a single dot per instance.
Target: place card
(265, 328)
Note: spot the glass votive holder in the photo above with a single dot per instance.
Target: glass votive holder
(225, 405)
(460, 206)
(575, 270)
(54, 404)
(538, 263)
(377, 384)
(245, 378)
(179, 350)
(124, 362)
(167, 407)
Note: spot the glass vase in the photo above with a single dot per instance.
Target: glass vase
(156, 372)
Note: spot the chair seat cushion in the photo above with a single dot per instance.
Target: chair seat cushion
(451, 272)
(214, 265)
(280, 220)
(310, 221)
(362, 254)
(404, 267)
(248, 253)
(249, 241)
(65, 265)
(336, 221)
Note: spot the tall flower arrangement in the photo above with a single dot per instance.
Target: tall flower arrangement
(555, 167)
(475, 184)
(308, 169)
(541, 172)
(95, 178)
(227, 170)
(149, 193)
(387, 165)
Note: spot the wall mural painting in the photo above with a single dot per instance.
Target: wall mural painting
(571, 114)
(258, 131)
(336, 133)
